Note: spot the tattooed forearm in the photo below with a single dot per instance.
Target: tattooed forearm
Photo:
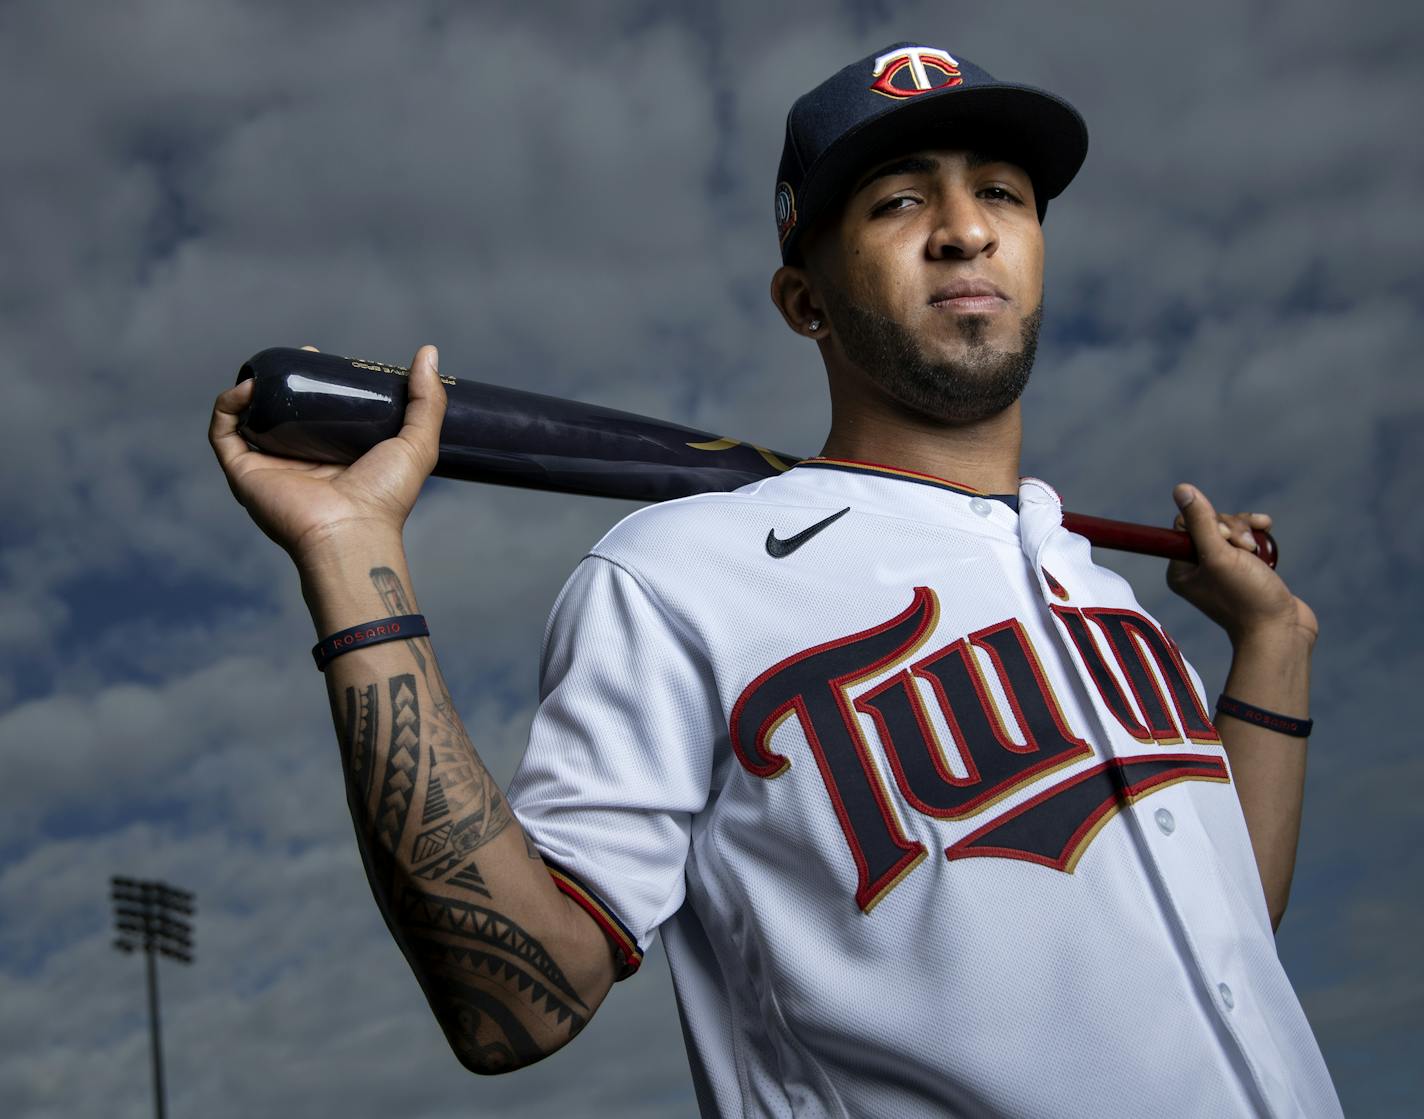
(478, 939)
(425, 806)
(477, 809)
(358, 736)
(402, 761)
(388, 586)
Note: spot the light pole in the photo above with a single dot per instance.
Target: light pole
(153, 916)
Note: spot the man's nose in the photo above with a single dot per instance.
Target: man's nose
(963, 229)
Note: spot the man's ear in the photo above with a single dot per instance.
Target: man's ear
(794, 293)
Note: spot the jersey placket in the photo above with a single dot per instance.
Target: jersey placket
(1173, 857)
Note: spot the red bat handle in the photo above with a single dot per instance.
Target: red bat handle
(1169, 543)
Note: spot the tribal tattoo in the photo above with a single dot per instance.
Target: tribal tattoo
(475, 809)
(425, 804)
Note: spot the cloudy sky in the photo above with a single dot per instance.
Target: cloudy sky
(576, 198)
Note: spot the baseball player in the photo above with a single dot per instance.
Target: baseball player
(932, 817)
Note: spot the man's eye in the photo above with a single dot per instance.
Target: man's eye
(892, 204)
(1001, 194)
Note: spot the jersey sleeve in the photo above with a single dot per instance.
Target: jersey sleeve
(620, 752)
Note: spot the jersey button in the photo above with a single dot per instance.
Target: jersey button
(1228, 1000)
(1165, 820)
(980, 506)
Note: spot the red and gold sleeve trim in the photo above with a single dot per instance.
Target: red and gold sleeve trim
(625, 945)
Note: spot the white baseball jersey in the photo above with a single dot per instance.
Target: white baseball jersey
(931, 815)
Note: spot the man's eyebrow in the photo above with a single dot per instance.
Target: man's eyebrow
(914, 164)
(910, 165)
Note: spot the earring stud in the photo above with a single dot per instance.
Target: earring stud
(815, 325)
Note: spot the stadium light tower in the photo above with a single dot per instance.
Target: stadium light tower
(153, 916)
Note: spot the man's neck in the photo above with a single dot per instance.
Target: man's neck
(982, 455)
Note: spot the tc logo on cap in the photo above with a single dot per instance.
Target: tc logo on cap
(918, 61)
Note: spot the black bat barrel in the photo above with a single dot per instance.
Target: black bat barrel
(324, 408)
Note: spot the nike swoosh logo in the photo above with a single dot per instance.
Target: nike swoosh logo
(780, 549)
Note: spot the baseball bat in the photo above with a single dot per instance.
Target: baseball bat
(325, 408)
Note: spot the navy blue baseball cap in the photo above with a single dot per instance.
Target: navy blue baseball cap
(908, 96)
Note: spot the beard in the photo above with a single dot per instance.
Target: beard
(981, 384)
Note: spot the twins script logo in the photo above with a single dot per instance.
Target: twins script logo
(1052, 827)
(918, 61)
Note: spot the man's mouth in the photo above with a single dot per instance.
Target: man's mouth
(969, 296)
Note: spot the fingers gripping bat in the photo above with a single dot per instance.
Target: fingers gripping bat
(324, 408)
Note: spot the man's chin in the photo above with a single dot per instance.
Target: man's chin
(957, 409)
(960, 337)
(953, 380)
(958, 385)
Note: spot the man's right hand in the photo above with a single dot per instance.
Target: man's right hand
(303, 505)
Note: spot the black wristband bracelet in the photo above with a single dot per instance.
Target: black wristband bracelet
(368, 633)
(1259, 716)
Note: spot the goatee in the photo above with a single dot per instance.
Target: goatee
(981, 384)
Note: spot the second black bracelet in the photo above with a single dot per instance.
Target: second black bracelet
(368, 633)
(1259, 716)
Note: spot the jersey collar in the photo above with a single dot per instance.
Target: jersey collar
(853, 466)
(1038, 515)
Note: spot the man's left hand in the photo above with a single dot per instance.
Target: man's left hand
(1229, 583)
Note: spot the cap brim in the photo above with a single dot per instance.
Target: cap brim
(1041, 133)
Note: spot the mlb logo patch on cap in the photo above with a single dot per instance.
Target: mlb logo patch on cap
(785, 210)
